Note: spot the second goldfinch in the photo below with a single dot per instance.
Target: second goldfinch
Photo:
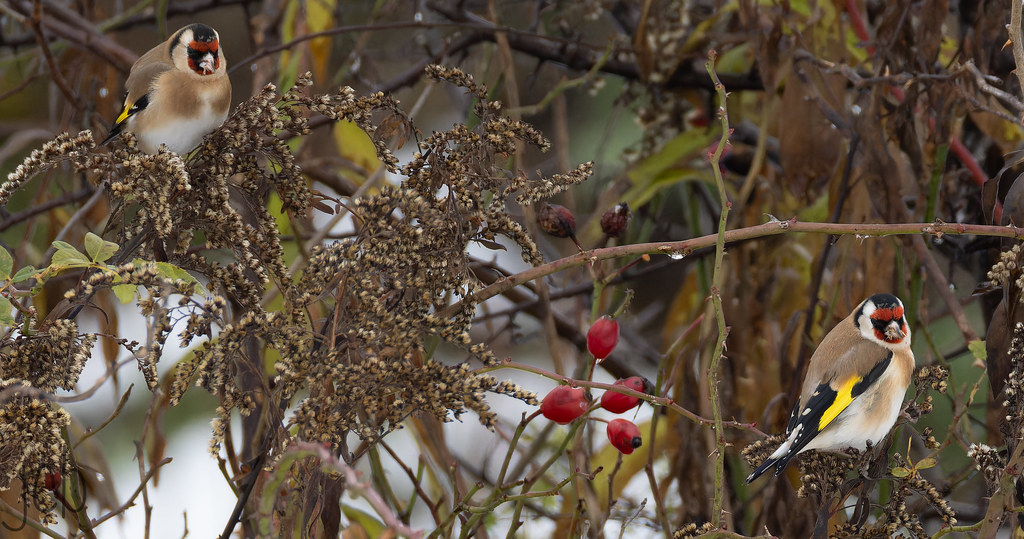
(855, 384)
(177, 92)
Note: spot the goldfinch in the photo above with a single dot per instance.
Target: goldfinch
(177, 92)
(855, 384)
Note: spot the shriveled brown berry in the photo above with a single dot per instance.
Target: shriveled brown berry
(615, 220)
(556, 220)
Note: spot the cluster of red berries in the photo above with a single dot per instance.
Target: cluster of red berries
(565, 404)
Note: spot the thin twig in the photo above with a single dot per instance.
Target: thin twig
(138, 490)
(28, 213)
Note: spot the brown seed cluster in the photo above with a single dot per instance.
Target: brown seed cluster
(350, 335)
(898, 517)
(1008, 269)
(63, 148)
(365, 366)
(989, 462)
(32, 367)
(688, 531)
(47, 360)
(927, 377)
(757, 452)
(822, 473)
(1012, 424)
(33, 446)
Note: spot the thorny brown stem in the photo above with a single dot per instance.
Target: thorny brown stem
(1013, 33)
(718, 280)
(771, 228)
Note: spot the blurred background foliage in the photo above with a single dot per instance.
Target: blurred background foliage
(846, 112)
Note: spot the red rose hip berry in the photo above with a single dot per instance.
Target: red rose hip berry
(603, 336)
(624, 435)
(617, 403)
(564, 403)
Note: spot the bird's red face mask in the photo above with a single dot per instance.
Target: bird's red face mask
(203, 57)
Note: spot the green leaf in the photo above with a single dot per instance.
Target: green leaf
(170, 271)
(925, 463)
(673, 155)
(369, 523)
(6, 263)
(125, 292)
(900, 471)
(977, 348)
(99, 249)
(6, 311)
(68, 256)
(26, 272)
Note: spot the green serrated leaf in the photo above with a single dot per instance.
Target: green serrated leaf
(6, 263)
(977, 348)
(900, 471)
(6, 311)
(26, 272)
(125, 292)
(99, 249)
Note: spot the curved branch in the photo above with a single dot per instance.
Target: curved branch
(685, 247)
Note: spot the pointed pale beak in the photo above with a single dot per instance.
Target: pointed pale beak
(893, 332)
(207, 64)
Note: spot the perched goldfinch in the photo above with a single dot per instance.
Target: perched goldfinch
(854, 386)
(177, 92)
